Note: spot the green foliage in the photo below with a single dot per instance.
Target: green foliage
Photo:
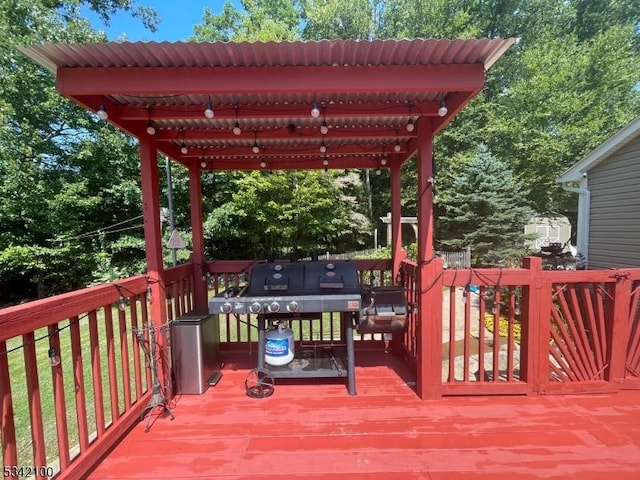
(258, 20)
(62, 173)
(331, 19)
(485, 211)
(278, 212)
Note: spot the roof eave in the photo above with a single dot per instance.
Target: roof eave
(605, 150)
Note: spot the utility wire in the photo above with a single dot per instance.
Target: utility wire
(98, 231)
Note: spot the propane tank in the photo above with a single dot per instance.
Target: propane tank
(279, 345)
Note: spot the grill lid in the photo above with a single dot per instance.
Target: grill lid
(304, 278)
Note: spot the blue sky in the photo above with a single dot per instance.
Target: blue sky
(178, 19)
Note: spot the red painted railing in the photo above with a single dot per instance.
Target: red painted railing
(85, 377)
(525, 330)
(539, 331)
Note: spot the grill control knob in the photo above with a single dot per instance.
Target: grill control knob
(274, 307)
(293, 306)
(226, 308)
(255, 307)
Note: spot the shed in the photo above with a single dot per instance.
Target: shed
(548, 228)
(607, 181)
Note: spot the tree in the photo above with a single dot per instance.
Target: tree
(265, 20)
(485, 210)
(278, 212)
(59, 166)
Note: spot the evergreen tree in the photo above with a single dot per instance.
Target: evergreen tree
(485, 210)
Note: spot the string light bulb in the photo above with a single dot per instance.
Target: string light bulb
(397, 147)
(183, 149)
(236, 126)
(122, 303)
(411, 126)
(315, 111)
(208, 112)
(150, 128)
(255, 148)
(54, 358)
(102, 112)
(323, 148)
(324, 129)
(263, 164)
(443, 110)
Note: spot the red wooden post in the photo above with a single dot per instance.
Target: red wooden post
(153, 248)
(618, 330)
(7, 424)
(536, 320)
(429, 364)
(397, 253)
(197, 236)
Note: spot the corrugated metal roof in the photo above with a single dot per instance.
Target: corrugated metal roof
(369, 92)
(268, 54)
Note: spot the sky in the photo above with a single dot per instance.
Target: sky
(177, 20)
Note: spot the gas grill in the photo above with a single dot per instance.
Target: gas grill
(281, 290)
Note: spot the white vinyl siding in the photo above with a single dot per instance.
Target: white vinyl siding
(614, 225)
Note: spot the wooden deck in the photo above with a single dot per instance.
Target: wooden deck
(315, 430)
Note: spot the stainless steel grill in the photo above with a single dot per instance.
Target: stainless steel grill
(278, 291)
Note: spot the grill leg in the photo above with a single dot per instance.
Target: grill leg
(351, 361)
(261, 340)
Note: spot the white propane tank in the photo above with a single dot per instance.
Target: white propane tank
(279, 345)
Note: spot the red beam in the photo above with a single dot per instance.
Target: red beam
(323, 81)
(292, 163)
(277, 151)
(301, 134)
(247, 112)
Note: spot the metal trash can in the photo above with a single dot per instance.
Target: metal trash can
(195, 343)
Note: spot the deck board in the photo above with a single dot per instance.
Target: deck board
(315, 430)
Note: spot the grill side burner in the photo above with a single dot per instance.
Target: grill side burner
(384, 310)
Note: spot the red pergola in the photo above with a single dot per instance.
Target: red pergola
(292, 105)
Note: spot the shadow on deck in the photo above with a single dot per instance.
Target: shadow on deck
(315, 430)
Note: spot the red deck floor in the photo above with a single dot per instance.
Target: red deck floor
(316, 431)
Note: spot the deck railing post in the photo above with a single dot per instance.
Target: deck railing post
(429, 330)
(618, 329)
(534, 348)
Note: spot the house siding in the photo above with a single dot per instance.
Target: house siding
(614, 225)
